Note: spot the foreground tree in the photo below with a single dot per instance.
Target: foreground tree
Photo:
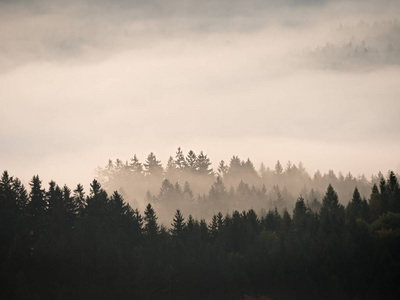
(151, 227)
(178, 224)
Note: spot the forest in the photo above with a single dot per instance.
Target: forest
(189, 182)
(245, 238)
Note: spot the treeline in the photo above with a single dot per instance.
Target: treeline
(63, 244)
(189, 182)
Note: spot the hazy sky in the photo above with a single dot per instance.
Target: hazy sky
(311, 81)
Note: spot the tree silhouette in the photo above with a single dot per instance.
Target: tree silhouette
(55, 245)
(178, 224)
(37, 206)
(332, 213)
(79, 199)
(278, 168)
(153, 166)
(151, 227)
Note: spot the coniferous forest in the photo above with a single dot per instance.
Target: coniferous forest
(244, 238)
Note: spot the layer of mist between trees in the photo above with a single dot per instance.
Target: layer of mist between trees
(189, 183)
(62, 244)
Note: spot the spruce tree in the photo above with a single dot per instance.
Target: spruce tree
(178, 224)
(151, 227)
(278, 168)
(37, 206)
(332, 212)
(191, 160)
(79, 199)
(153, 166)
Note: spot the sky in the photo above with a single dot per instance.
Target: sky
(86, 81)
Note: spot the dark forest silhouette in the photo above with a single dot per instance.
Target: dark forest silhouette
(58, 243)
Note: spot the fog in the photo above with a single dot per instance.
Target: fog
(310, 81)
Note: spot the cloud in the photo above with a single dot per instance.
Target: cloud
(81, 82)
(92, 30)
(361, 46)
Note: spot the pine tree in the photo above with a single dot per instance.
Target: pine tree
(286, 221)
(97, 200)
(217, 195)
(394, 193)
(203, 164)
(153, 166)
(37, 204)
(151, 227)
(138, 219)
(332, 213)
(213, 227)
(278, 168)
(37, 207)
(356, 208)
(180, 161)
(235, 167)
(136, 166)
(79, 199)
(70, 206)
(54, 198)
(21, 196)
(167, 192)
(188, 193)
(95, 188)
(8, 215)
(272, 220)
(178, 224)
(190, 223)
(300, 216)
(222, 169)
(330, 201)
(8, 204)
(171, 171)
(117, 204)
(191, 160)
(6, 183)
(218, 189)
(375, 204)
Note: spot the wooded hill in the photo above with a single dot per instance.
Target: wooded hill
(61, 244)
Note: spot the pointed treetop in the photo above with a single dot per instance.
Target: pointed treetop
(178, 224)
(278, 168)
(180, 161)
(330, 200)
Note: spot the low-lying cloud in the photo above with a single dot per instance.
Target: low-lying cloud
(81, 82)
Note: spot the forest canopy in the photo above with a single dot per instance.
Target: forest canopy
(189, 182)
(76, 244)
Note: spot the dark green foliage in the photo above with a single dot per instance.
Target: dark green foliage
(357, 207)
(55, 245)
(79, 199)
(178, 225)
(151, 227)
(332, 213)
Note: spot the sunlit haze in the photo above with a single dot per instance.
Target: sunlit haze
(310, 81)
